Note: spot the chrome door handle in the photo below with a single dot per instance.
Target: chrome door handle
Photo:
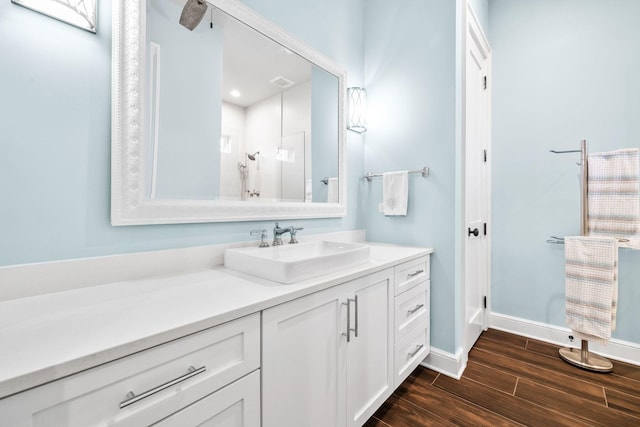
(415, 273)
(348, 333)
(414, 352)
(133, 398)
(349, 328)
(355, 299)
(413, 310)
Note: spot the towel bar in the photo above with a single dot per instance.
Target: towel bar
(583, 358)
(424, 171)
(560, 240)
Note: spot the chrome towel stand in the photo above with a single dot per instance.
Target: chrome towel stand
(582, 358)
(424, 171)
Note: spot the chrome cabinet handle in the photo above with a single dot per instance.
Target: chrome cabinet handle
(133, 398)
(348, 333)
(355, 299)
(414, 352)
(413, 310)
(415, 274)
(349, 328)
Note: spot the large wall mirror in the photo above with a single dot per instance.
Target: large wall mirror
(235, 120)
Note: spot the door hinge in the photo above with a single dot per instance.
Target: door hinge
(485, 228)
(484, 302)
(484, 80)
(484, 155)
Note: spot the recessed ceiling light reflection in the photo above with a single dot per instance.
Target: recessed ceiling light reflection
(235, 93)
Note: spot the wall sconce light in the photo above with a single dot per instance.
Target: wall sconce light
(357, 121)
(79, 13)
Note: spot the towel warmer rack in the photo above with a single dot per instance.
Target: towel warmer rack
(424, 171)
(582, 357)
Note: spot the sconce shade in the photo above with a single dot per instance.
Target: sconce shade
(79, 13)
(357, 109)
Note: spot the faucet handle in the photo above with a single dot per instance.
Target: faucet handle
(263, 237)
(293, 232)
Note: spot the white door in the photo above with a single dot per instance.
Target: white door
(477, 168)
(370, 353)
(303, 361)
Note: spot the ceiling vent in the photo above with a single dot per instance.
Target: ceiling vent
(282, 82)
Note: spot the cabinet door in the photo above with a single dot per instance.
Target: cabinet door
(303, 362)
(160, 378)
(370, 353)
(236, 405)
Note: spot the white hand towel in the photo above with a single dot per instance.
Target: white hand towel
(395, 193)
(591, 280)
(308, 190)
(614, 195)
(332, 190)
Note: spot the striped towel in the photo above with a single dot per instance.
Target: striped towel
(591, 280)
(614, 195)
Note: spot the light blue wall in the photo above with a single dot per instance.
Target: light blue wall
(324, 117)
(563, 70)
(55, 141)
(410, 82)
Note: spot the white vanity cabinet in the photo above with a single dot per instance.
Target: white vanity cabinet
(328, 357)
(325, 353)
(236, 405)
(412, 316)
(149, 386)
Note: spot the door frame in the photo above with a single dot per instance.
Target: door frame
(469, 22)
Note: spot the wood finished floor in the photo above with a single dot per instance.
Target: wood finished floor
(513, 381)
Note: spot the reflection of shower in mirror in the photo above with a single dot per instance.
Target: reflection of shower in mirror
(244, 173)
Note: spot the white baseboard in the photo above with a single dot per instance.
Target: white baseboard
(616, 349)
(449, 364)
(25, 280)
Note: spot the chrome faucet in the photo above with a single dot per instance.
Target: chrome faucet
(277, 232)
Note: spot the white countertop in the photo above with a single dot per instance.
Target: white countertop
(47, 337)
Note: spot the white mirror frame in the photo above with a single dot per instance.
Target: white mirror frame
(129, 204)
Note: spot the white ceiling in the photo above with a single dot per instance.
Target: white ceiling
(251, 61)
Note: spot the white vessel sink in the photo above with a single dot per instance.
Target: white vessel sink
(291, 263)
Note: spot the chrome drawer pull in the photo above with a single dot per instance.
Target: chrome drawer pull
(348, 333)
(133, 398)
(410, 275)
(414, 352)
(355, 299)
(349, 328)
(413, 310)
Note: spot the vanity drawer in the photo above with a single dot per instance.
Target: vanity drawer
(411, 273)
(412, 308)
(159, 376)
(236, 405)
(411, 351)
